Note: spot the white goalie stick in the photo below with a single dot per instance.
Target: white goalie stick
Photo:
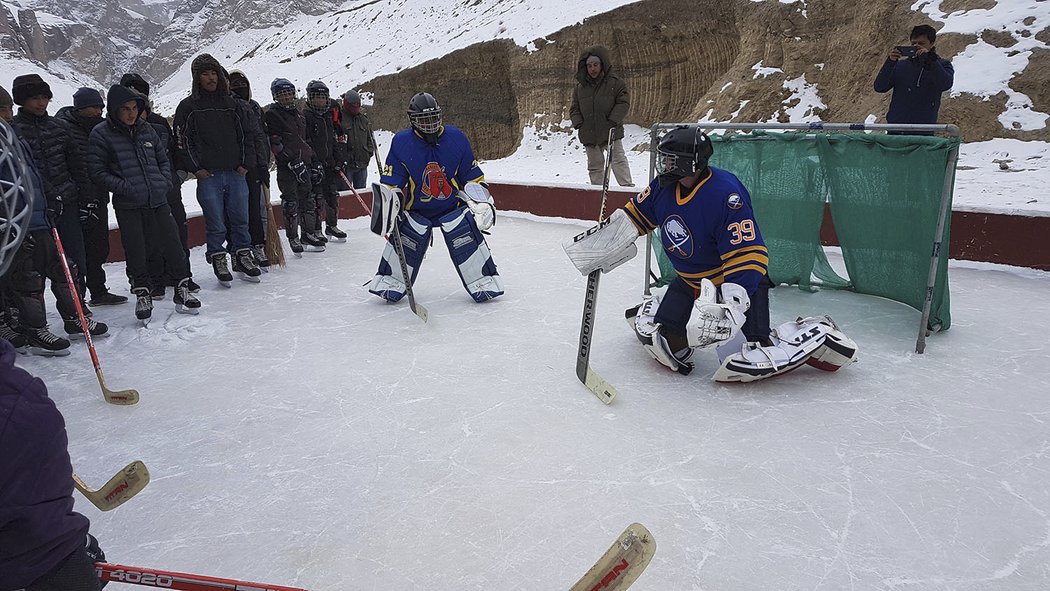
(622, 564)
(602, 389)
(124, 485)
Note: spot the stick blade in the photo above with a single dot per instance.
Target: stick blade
(622, 564)
(121, 397)
(605, 391)
(125, 484)
(420, 311)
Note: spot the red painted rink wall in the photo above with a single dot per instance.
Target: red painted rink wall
(1009, 239)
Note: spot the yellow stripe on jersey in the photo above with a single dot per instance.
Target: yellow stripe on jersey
(678, 189)
(757, 248)
(640, 221)
(760, 268)
(411, 190)
(747, 259)
(709, 274)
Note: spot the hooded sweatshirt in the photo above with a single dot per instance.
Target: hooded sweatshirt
(213, 130)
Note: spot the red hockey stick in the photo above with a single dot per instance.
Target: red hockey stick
(151, 577)
(352, 189)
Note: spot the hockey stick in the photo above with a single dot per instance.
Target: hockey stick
(274, 248)
(602, 389)
(124, 485)
(151, 577)
(622, 564)
(368, 210)
(123, 397)
(395, 239)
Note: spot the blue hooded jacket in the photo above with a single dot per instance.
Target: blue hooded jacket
(917, 85)
(38, 527)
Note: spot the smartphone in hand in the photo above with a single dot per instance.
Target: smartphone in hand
(907, 51)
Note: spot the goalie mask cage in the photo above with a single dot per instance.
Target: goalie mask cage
(889, 197)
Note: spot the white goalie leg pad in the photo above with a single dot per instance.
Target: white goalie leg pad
(605, 246)
(386, 205)
(793, 344)
(480, 203)
(837, 351)
(643, 320)
(471, 255)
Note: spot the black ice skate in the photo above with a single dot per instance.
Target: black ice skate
(97, 329)
(296, 246)
(40, 341)
(143, 305)
(244, 266)
(157, 292)
(259, 254)
(336, 234)
(220, 263)
(313, 242)
(17, 340)
(184, 300)
(107, 299)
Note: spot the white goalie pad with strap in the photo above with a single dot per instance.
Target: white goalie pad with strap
(642, 319)
(605, 246)
(838, 350)
(480, 203)
(386, 205)
(794, 343)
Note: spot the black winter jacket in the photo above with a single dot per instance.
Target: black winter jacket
(55, 153)
(213, 131)
(129, 161)
(287, 130)
(259, 152)
(320, 134)
(80, 128)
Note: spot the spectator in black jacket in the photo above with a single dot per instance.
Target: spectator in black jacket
(93, 201)
(328, 159)
(55, 154)
(917, 81)
(286, 127)
(128, 158)
(214, 138)
(164, 274)
(258, 169)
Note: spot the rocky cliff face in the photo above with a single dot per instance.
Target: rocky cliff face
(684, 60)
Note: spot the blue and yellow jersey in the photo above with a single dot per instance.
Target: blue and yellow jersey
(430, 175)
(707, 232)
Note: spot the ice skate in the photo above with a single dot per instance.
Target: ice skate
(311, 240)
(107, 299)
(40, 341)
(259, 254)
(296, 246)
(143, 305)
(184, 300)
(244, 266)
(336, 234)
(18, 341)
(96, 329)
(221, 265)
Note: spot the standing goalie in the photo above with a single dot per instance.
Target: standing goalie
(431, 174)
(720, 295)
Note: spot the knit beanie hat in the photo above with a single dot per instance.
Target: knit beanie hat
(5, 98)
(133, 80)
(27, 86)
(87, 97)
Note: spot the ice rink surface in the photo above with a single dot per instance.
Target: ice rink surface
(302, 432)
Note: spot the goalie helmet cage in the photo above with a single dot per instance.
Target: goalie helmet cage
(822, 168)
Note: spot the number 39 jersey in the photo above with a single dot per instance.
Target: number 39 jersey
(707, 232)
(431, 175)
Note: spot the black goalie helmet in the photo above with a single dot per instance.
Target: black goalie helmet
(425, 114)
(682, 152)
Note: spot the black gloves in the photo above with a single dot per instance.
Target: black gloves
(90, 210)
(317, 173)
(298, 168)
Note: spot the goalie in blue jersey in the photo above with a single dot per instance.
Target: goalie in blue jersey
(431, 179)
(719, 297)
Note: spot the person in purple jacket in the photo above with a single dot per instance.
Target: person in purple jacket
(917, 80)
(44, 544)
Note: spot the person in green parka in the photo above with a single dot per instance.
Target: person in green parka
(600, 103)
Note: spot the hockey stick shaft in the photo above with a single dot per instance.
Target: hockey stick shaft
(602, 389)
(122, 397)
(354, 191)
(152, 577)
(124, 485)
(417, 309)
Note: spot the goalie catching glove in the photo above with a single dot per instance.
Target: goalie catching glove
(480, 203)
(386, 206)
(605, 246)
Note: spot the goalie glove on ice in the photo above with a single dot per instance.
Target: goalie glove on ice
(605, 246)
(480, 203)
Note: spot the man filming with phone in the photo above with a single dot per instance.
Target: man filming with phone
(917, 76)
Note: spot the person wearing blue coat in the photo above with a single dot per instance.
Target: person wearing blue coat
(127, 157)
(917, 81)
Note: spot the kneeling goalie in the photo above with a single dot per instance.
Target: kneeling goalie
(431, 174)
(720, 296)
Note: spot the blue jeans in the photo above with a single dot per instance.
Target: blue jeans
(358, 176)
(224, 198)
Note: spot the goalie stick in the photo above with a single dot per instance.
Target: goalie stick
(151, 577)
(124, 485)
(622, 564)
(602, 389)
(377, 207)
